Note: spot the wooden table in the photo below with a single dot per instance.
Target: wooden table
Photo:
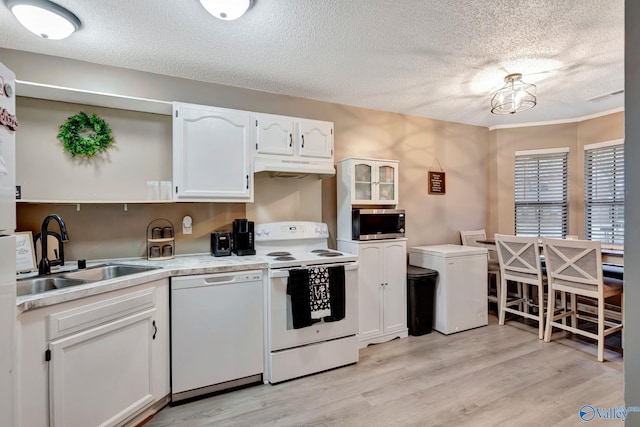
(609, 256)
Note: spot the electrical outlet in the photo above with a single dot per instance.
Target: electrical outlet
(187, 224)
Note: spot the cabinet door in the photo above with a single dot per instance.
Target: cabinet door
(395, 286)
(103, 375)
(387, 183)
(211, 158)
(274, 135)
(363, 182)
(370, 284)
(315, 139)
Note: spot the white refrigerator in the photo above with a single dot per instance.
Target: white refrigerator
(461, 286)
(8, 126)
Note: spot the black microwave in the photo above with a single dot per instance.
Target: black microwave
(372, 224)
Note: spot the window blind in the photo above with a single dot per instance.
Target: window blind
(540, 187)
(604, 194)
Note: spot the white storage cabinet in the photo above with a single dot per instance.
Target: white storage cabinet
(382, 288)
(99, 361)
(368, 181)
(461, 286)
(212, 154)
(283, 143)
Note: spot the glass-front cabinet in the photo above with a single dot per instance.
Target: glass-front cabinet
(374, 182)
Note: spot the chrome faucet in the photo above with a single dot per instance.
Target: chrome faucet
(45, 267)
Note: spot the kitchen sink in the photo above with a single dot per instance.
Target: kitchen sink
(52, 282)
(43, 284)
(106, 272)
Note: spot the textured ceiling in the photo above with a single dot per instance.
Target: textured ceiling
(430, 58)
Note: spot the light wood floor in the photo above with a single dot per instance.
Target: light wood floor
(490, 376)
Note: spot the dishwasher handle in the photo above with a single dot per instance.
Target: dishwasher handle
(197, 281)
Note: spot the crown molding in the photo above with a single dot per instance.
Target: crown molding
(558, 122)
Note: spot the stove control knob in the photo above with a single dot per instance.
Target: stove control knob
(266, 231)
(324, 228)
(318, 229)
(259, 232)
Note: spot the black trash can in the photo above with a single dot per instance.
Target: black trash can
(421, 286)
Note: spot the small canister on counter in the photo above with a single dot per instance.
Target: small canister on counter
(156, 233)
(167, 251)
(154, 252)
(167, 232)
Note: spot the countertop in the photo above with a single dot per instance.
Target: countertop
(182, 265)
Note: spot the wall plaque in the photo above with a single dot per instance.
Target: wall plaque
(436, 183)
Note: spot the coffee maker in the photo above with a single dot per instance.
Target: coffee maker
(242, 238)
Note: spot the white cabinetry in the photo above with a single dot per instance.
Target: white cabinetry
(290, 144)
(364, 183)
(368, 181)
(383, 290)
(212, 154)
(106, 358)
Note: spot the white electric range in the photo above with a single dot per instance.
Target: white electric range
(294, 352)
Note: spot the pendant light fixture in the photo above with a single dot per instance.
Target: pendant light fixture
(227, 10)
(514, 97)
(44, 18)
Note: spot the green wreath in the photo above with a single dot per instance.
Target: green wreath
(77, 144)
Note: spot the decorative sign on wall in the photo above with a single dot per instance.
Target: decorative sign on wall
(436, 179)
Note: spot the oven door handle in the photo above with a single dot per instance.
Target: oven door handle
(285, 273)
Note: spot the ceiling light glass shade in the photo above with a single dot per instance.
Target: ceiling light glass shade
(227, 10)
(514, 97)
(44, 18)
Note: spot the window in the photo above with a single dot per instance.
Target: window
(604, 192)
(541, 193)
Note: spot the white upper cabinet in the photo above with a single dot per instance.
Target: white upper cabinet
(369, 182)
(315, 139)
(212, 154)
(274, 135)
(289, 144)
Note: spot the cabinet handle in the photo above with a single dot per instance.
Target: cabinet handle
(302, 141)
(155, 329)
(290, 140)
(247, 182)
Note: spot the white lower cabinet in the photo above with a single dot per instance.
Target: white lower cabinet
(383, 288)
(106, 358)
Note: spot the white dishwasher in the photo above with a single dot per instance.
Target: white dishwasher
(216, 332)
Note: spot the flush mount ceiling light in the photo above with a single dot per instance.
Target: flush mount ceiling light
(514, 97)
(227, 10)
(44, 18)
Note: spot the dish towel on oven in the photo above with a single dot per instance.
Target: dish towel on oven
(316, 293)
(319, 292)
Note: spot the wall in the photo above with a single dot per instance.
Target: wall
(462, 151)
(141, 151)
(632, 214)
(505, 142)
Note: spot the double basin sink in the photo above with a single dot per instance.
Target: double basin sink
(98, 273)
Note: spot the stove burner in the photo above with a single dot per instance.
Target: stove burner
(279, 253)
(284, 258)
(330, 254)
(320, 251)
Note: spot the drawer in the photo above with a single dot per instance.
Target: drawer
(91, 315)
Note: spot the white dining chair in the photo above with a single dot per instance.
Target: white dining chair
(575, 267)
(470, 238)
(519, 259)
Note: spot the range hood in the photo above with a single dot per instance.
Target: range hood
(294, 167)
